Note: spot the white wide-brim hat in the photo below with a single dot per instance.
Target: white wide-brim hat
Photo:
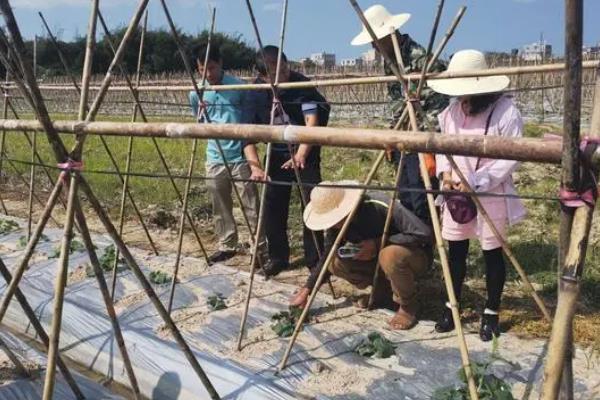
(469, 60)
(329, 205)
(382, 22)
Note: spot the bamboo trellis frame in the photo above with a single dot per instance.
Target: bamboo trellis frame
(576, 225)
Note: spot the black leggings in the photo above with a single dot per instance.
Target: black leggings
(495, 271)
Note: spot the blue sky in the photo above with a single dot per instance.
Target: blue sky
(329, 25)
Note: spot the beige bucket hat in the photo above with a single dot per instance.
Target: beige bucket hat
(469, 60)
(382, 23)
(330, 205)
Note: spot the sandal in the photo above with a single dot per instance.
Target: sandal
(403, 320)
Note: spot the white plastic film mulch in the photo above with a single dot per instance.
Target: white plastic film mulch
(323, 363)
(32, 387)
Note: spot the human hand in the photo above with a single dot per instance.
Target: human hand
(298, 159)
(257, 174)
(368, 250)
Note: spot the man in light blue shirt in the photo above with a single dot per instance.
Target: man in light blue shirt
(227, 107)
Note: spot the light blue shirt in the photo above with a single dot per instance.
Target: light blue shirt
(223, 107)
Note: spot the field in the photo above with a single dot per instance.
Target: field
(534, 240)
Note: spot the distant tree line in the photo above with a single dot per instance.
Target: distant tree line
(160, 53)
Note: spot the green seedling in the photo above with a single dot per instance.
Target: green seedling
(159, 277)
(7, 226)
(76, 246)
(284, 322)
(23, 241)
(216, 302)
(489, 386)
(377, 346)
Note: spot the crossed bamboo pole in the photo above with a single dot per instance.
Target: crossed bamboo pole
(277, 104)
(263, 193)
(129, 145)
(61, 155)
(200, 92)
(139, 108)
(188, 182)
(397, 180)
(41, 332)
(398, 72)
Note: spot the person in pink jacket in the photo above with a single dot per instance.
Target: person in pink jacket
(478, 107)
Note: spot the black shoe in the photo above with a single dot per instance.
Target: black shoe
(221, 256)
(273, 268)
(445, 323)
(489, 327)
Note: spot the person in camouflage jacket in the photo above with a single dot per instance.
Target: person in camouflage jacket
(414, 59)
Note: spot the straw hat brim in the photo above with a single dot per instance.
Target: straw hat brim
(323, 221)
(395, 22)
(469, 86)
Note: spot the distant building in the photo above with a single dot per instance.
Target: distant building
(536, 51)
(323, 59)
(371, 57)
(352, 62)
(591, 51)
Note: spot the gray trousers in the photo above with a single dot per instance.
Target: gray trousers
(222, 195)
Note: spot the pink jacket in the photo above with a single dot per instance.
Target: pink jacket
(493, 176)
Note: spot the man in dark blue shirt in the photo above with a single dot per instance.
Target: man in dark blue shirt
(303, 106)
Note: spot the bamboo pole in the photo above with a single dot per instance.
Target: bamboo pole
(61, 154)
(19, 367)
(575, 222)
(430, 201)
(29, 249)
(188, 183)
(200, 92)
(263, 193)
(3, 140)
(129, 147)
(519, 70)
(388, 218)
(139, 108)
(31, 184)
(108, 302)
(330, 256)
(519, 149)
(59, 291)
(41, 332)
(88, 60)
(60, 53)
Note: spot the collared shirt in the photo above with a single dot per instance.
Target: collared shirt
(297, 104)
(223, 107)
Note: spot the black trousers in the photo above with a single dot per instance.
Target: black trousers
(278, 206)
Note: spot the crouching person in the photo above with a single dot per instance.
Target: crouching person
(407, 255)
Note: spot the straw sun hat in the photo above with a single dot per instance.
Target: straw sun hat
(469, 60)
(382, 22)
(330, 205)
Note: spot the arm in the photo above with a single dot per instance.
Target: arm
(311, 118)
(257, 173)
(498, 171)
(193, 99)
